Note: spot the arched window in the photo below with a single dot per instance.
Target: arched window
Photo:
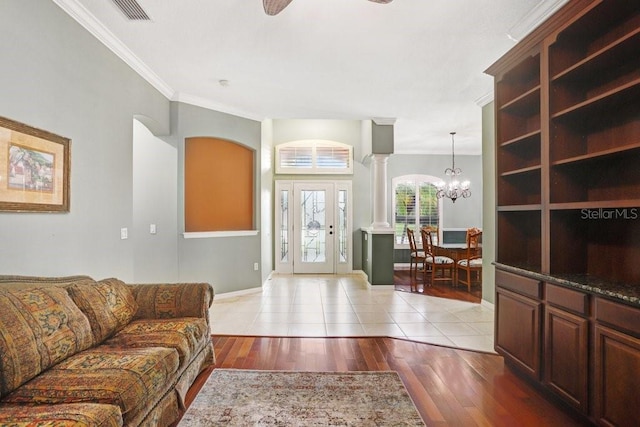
(415, 205)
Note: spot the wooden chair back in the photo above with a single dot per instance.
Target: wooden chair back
(473, 242)
(412, 241)
(427, 240)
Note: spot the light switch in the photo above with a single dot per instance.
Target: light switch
(152, 229)
(124, 233)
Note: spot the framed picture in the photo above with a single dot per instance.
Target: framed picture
(34, 169)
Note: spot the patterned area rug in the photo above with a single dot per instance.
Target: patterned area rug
(233, 397)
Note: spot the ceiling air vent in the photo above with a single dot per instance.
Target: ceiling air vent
(132, 10)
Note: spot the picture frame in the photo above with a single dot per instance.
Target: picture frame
(35, 168)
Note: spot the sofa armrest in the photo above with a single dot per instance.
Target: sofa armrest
(172, 300)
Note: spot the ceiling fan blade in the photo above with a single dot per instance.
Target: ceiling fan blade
(274, 7)
(381, 1)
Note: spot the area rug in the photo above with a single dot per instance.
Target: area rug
(234, 397)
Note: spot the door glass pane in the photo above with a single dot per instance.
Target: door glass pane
(313, 226)
(342, 226)
(284, 225)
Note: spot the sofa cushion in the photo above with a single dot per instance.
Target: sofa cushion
(39, 327)
(186, 335)
(132, 379)
(162, 301)
(108, 304)
(18, 282)
(64, 415)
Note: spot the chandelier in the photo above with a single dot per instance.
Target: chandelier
(454, 189)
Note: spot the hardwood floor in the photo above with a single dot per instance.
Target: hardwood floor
(449, 387)
(402, 282)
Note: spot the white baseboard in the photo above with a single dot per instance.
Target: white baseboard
(240, 293)
(487, 304)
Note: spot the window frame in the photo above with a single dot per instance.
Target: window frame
(417, 179)
(313, 169)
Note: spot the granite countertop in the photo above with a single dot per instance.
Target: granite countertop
(625, 292)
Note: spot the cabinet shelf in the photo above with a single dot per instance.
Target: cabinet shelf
(520, 208)
(602, 243)
(527, 170)
(608, 135)
(602, 204)
(601, 26)
(520, 187)
(525, 103)
(607, 101)
(518, 238)
(520, 81)
(596, 155)
(519, 158)
(612, 55)
(528, 137)
(596, 179)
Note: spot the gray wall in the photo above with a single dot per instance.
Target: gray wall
(155, 193)
(56, 76)
(225, 262)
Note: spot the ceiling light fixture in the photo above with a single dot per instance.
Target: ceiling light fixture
(454, 189)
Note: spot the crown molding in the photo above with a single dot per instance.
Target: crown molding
(384, 121)
(536, 16)
(82, 16)
(210, 105)
(485, 99)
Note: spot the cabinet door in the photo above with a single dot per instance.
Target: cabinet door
(617, 378)
(566, 356)
(518, 332)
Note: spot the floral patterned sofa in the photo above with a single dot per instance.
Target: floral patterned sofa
(75, 351)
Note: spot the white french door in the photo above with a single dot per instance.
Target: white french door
(313, 227)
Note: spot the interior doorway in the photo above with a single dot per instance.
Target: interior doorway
(313, 224)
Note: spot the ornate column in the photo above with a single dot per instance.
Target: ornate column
(379, 191)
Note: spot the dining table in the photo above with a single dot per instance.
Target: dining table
(455, 251)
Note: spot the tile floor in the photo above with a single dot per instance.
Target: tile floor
(346, 306)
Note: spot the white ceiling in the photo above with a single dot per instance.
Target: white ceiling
(419, 62)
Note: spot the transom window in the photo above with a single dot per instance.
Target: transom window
(314, 157)
(415, 205)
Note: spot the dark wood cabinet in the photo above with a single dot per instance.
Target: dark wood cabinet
(518, 321)
(567, 102)
(582, 348)
(566, 356)
(517, 324)
(617, 363)
(566, 345)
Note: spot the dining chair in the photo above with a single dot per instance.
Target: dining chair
(416, 257)
(471, 263)
(433, 262)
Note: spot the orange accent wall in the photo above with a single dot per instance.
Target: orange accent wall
(218, 181)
